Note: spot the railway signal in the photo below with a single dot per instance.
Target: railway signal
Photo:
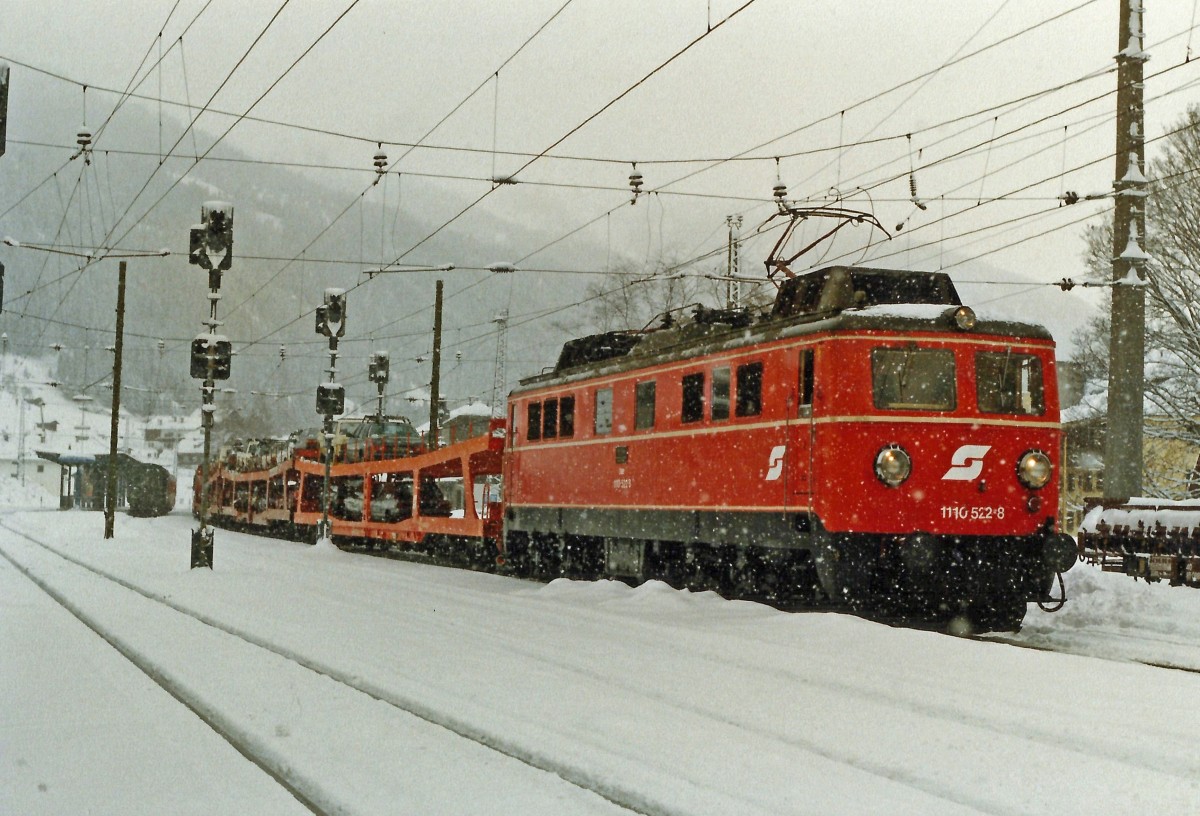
(331, 396)
(212, 237)
(331, 315)
(214, 350)
(331, 399)
(211, 353)
(378, 373)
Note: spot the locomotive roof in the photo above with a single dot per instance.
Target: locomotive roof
(835, 298)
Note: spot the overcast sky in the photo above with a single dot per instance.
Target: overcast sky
(803, 81)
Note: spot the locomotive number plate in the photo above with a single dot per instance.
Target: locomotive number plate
(960, 512)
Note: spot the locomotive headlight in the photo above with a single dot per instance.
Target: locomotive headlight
(964, 318)
(1034, 469)
(892, 465)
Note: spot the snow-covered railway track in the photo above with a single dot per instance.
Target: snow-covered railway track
(683, 702)
(1058, 649)
(609, 797)
(182, 694)
(769, 667)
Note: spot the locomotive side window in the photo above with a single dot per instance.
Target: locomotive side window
(645, 393)
(693, 398)
(566, 417)
(805, 384)
(1007, 383)
(534, 428)
(913, 379)
(720, 393)
(749, 390)
(604, 411)
(550, 419)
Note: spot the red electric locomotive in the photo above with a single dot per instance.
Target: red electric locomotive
(870, 442)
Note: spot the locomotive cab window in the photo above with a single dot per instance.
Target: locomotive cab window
(645, 395)
(805, 383)
(534, 428)
(550, 419)
(604, 411)
(1007, 383)
(913, 379)
(693, 398)
(720, 393)
(749, 390)
(566, 417)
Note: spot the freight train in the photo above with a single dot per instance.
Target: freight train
(868, 442)
(1154, 539)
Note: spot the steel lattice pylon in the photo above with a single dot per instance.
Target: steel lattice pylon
(498, 375)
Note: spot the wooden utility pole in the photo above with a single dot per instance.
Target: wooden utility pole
(110, 492)
(434, 384)
(1127, 339)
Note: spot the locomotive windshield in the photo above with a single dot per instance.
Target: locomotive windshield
(913, 379)
(1008, 383)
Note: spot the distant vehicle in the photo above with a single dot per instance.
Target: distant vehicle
(356, 438)
(143, 488)
(150, 490)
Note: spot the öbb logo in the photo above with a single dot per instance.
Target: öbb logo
(775, 462)
(967, 463)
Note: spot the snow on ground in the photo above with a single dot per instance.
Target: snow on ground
(14, 493)
(374, 686)
(1116, 617)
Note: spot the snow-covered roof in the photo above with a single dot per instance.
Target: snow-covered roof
(472, 409)
(1145, 512)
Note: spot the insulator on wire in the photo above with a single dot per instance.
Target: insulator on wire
(635, 183)
(380, 161)
(780, 190)
(84, 139)
(282, 353)
(912, 189)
